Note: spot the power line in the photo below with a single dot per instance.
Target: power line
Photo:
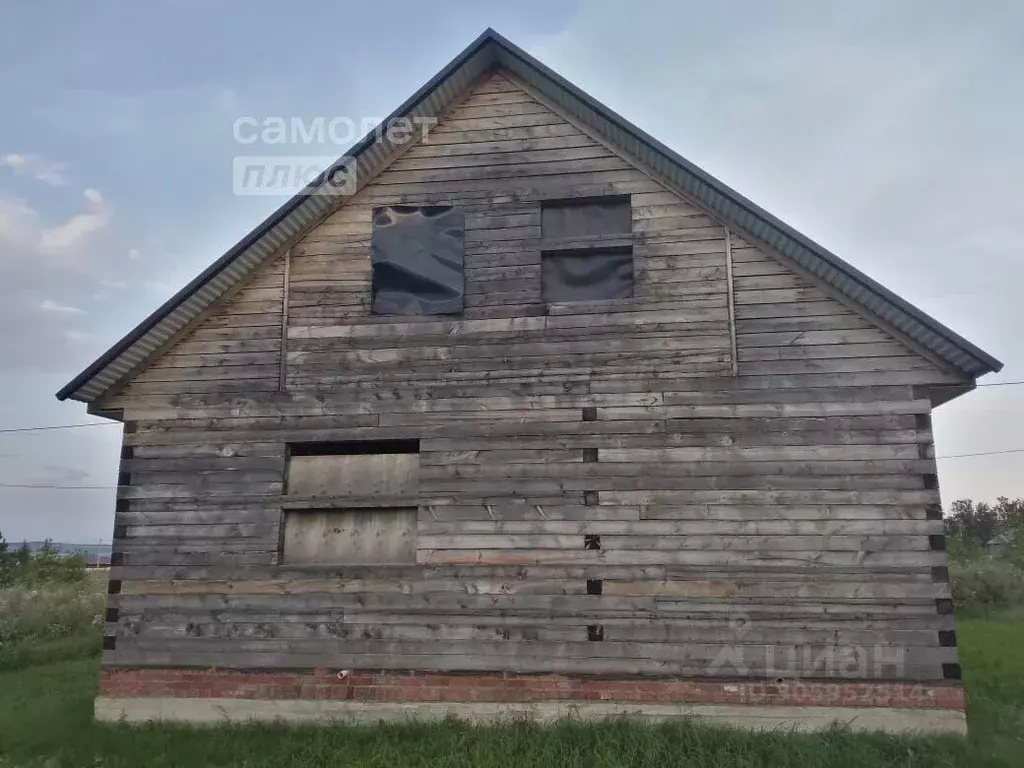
(117, 423)
(60, 487)
(983, 453)
(63, 426)
(45, 486)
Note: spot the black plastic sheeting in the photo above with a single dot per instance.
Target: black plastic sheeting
(586, 218)
(418, 266)
(587, 276)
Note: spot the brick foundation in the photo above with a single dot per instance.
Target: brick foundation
(326, 685)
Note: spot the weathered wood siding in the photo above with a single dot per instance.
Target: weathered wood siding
(598, 493)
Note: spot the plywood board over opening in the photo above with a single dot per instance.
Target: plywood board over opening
(380, 474)
(350, 536)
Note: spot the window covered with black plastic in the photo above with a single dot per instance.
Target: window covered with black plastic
(587, 275)
(586, 251)
(589, 217)
(418, 260)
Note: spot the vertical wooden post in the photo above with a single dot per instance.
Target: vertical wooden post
(283, 373)
(732, 302)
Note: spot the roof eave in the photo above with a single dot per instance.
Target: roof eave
(72, 390)
(725, 202)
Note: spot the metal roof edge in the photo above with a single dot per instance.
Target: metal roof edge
(985, 362)
(734, 197)
(68, 390)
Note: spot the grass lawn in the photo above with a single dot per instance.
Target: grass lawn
(45, 720)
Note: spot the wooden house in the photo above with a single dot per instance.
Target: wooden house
(530, 414)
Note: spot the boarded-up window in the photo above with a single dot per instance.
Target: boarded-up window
(350, 503)
(349, 536)
(367, 475)
(587, 254)
(418, 260)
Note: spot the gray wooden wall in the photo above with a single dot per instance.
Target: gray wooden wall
(787, 511)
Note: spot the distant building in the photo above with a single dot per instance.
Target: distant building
(997, 544)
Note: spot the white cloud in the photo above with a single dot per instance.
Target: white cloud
(52, 306)
(134, 254)
(160, 288)
(70, 234)
(78, 337)
(36, 167)
(50, 272)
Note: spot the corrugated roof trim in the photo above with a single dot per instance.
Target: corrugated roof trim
(373, 155)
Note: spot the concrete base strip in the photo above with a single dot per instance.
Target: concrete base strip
(214, 711)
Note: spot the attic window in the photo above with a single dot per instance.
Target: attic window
(586, 249)
(586, 217)
(418, 260)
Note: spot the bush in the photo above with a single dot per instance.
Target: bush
(982, 579)
(48, 566)
(8, 565)
(44, 566)
(52, 620)
(985, 584)
(964, 549)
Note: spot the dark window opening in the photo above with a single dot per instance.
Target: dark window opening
(595, 632)
(354, 447)
(418, 260)
(592, 275)
(586, 217)
(592, 542)
(585, 252)
(594, 586)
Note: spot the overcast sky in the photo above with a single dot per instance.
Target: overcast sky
(892, 133)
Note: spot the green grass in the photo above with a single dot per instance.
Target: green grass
(992, 656)
(45, 720)
(55, 621)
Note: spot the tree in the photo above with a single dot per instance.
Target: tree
(51, 567)
(1010, 513)
(23, 557)
(972, 521)
(8, 570)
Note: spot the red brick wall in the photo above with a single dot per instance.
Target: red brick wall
(364, 686)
